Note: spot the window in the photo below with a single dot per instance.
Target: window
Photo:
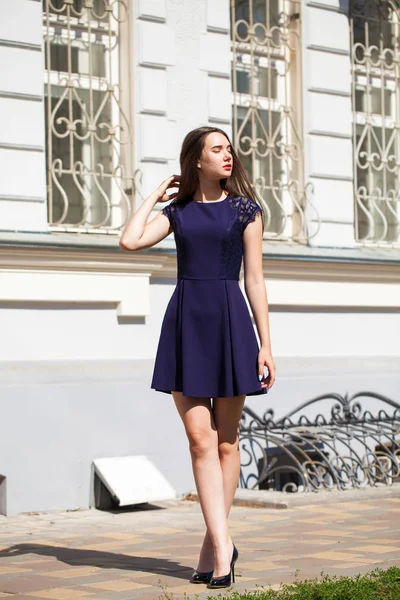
(88, 136)
(267, 110)
(375, 30)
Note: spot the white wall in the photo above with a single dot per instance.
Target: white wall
(22, 159)
(335, 333)
(301, 327)
(328, 119)
(73, 414)
(68, 332)
(182, 76)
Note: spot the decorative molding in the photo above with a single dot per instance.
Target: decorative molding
(159, 161)
(153, 112)
(331, 134)
(334, 177)
(20, 45)
(151, 18)
(155, 10)
(294, 263)
(20, 96)
(37, 199)
(329, 92)
(217, 74)
(131, 292)
(320, 5)
(337, 221)
(25, 147)
(326, 271)
(213, 29)
(112, 261)
(220, 75)
(328, 50)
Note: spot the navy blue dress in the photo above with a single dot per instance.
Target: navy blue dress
(208, 347)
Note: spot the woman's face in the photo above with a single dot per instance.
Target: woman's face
(216, 160)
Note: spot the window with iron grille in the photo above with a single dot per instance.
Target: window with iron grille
(375, 54)
(88, 116)
(267, 111)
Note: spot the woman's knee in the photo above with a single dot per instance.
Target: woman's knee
(202, 442)
(227, 445)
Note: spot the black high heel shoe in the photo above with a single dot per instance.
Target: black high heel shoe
(225, 580)
(200, 577)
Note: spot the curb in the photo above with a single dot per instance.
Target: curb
(282, 500)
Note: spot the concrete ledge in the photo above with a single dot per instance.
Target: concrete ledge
(282, 500)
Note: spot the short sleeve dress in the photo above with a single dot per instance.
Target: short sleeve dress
(208, 347)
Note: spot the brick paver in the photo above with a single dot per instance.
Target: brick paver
(93, 555)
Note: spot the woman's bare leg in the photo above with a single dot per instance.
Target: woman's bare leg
(227, 413)
(198, 419)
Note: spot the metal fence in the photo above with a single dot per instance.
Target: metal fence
(328, 442)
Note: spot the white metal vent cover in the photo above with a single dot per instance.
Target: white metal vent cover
(133, 480)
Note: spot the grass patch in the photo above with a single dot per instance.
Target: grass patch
(377, 585)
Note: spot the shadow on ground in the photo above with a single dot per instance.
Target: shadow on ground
(104, 560)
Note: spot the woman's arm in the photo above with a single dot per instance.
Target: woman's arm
(256, 293)
(139, 234)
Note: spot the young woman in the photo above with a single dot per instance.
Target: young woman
(208, 356)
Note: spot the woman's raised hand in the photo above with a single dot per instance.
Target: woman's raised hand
(170, 182)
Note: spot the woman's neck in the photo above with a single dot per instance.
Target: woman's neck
(209, 191)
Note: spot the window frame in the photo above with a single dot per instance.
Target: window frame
(375, 205)
(289, 198)
(108, 189)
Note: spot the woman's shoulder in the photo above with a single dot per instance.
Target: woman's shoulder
(243, 201)
(172, 209)
(246, 207)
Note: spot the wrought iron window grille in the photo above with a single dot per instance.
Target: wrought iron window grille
(375, 63)
(329, 442)
(90, 179)
(267, 113)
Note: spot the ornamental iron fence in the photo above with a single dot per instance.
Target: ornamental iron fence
(328, 442)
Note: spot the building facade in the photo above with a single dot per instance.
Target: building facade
(95, 99)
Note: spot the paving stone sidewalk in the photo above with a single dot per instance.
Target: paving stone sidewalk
(93, 555)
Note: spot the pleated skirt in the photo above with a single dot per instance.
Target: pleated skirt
(207, 347)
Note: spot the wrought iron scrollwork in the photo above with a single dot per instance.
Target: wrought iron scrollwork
(375, 58)
(90, 179)
(328, 442)
(267, 123)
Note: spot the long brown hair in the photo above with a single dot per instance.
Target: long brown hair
(237, 184)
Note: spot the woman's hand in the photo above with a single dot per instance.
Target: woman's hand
(265, 360)
(170, 182)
